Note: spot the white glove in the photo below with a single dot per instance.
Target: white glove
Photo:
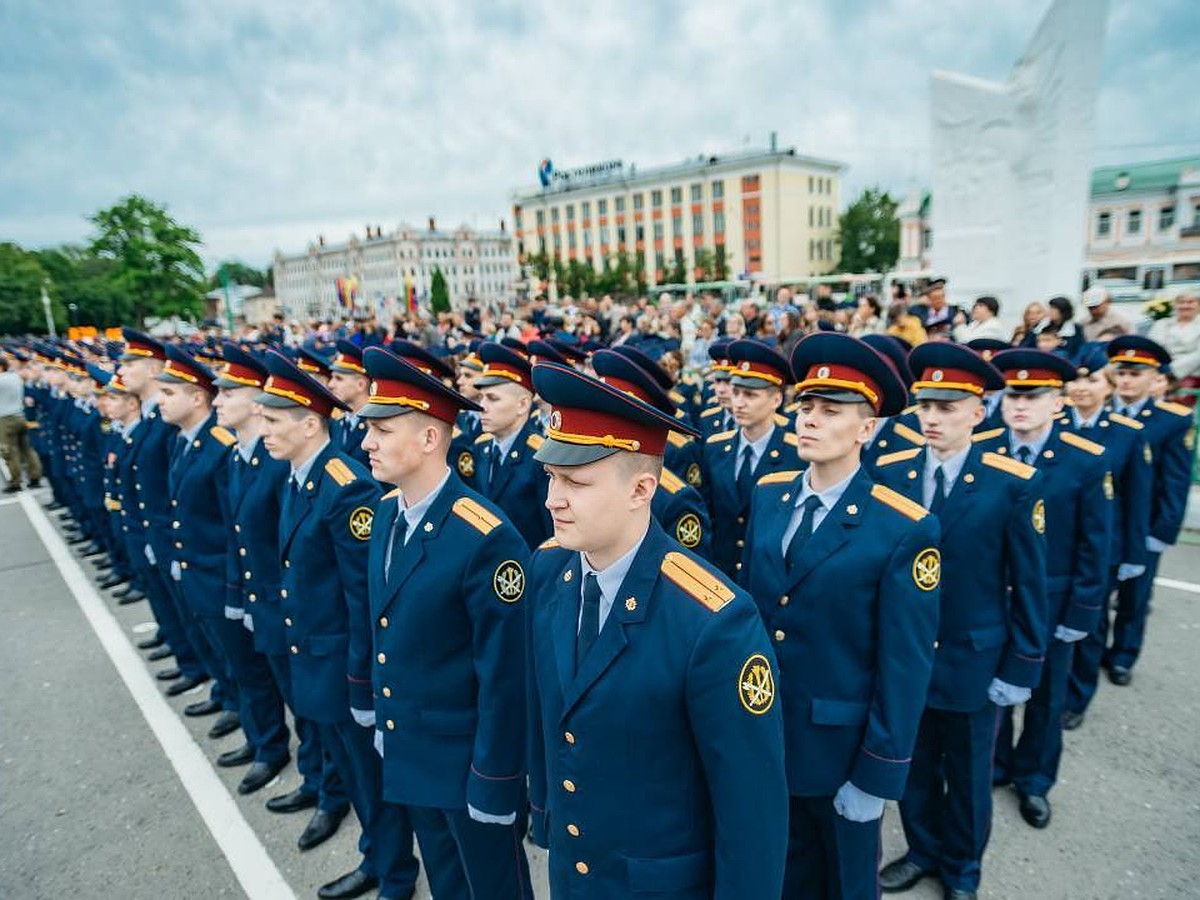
(488, 819)
(248, 622)
(1004, 694)
(857, 805)
(233, 613)
(364, 717)
(379, 742)
(1126, 571)
(1154, 545)
(176, 571)
(1068, 635)
(150, 555)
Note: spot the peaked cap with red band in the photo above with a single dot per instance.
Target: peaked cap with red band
(620, 371)
(590, 420)
(416, 355)
(241, 369)
(141, 346)
(183, 368)
(1033, 371)
(503, 365)
(752, 364)
(287, 387)
(846, 370)
(951, 372)
(398, 387)
(349, 359)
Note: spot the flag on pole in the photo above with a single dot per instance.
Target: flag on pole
(410, 293)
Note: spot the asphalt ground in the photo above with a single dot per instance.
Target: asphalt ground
(107, 790)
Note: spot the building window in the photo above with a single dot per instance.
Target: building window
(926, 239)
(656, 199)
(602, 207)
(554, 215)
(676, 195)
(658, 262)
(587, 239)
(640, 233)
(697, 224)
(571, 239)
(749, 183)
(810, 217)
(658, 230)
(619, 204)
(621, 235)
(810, 190)
(1103, 224)
(676, 225)
(557, 242)
(585, 209)
(637, 201)
(1196, 215)
(1166, 218)
(718, 223)
(718, 190)
(541, 218)
(697, 193)
(604, 233)
(1135, 221)
(570, 212)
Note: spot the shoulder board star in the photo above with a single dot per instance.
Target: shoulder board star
(721, 436)
(475, 515)
(1126, 421)
(696, 581)
(340, 472)
(670, 482)
(1069, 437)
(1007, 464)
(224, 435)
(987, 435)
(1177, 408)
(899, 502)
(909, 434)
(779, 477)
(898, 456)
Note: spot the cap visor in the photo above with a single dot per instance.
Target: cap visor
(751, 383)
(835, 396)
(493, 380)
(220, 382)
(946, 394)
(383, 411)
(276, 402)
(558, 453)
(168, 378)
(1032, 391)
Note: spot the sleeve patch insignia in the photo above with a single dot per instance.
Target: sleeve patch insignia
(927, 569)
(509, 581)
(756, 685)
(360, 522)
(688, 530)
(693, 475)
(1108, 485)
(1039, 517)
(466, 464)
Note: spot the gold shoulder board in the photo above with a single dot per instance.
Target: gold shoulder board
(1070, 437)
(987, 435)
(670, 482)
(779, 477)
(224, 435)
(474, 515)
(696, 581)
(677, 438)
(483, 438)
(899, 456)
(394, 492)
(549, 544)
(677, 397)
(340, 472)
(721, 436)
(1126, 421)
(899, 502)
(781, 419)
(456, 432)
(535, 441)
(909, 434)
(1007, 464)
(1177, 408)
(711, 411)
(791, 440)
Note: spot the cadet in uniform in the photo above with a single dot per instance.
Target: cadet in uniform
(735, 460)
(891, 434)
(656, 749)
(1077, 491)
(718, 417)
(447, 579)
(845, 573)
(324, 532)
(504, 469)
(1167, 429)
(349, 383)
(992, 627)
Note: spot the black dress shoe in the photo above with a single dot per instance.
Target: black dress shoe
(320, 828)
(13, 488)
(231, 759)
(900, 875)
(160, 653)
(412, 893)
(956, 894)
(151, 643)
(78, 539)
(168, 675)
(113, 581)
(134, 596)
(227, 723)
(293, 802)
(259, 775)
(185, 684)
(352, 884)
(125, 591)
(36, 483)
(1120, 675)
(1071, 720)
(1035, 810)
(202, 708)
(101, 562)
(92, 549)
(54, 506)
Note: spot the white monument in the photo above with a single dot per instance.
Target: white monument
(1012, 163)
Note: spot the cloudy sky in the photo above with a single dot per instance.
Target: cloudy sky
(263, 125)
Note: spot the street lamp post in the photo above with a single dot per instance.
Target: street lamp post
(50, 329)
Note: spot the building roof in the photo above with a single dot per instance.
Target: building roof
(1149, 176)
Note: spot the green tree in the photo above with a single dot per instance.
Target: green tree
(869, 233)
(579, 278)
(21, 280)
(439, 293)
(676, 272)
(157, 265)
(89, 283)
(239, 273)
(706, 264)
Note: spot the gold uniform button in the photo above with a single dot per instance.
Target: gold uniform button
(573, 830)
(253, 598)
(175, 524)
(287, 622)
(569, 786)
(937, 644)
(785, 600)
(174, 502)
(283, 593)
(183, 565)
(246, 575)
(178, 545)
(741, 520)
(142, 506)
(287, 563)
(741, 544)
(779, 635)
(295, 649)
(383, 622)
(382, 657)
(582, 868)
(569, 738)
(241, 551)
(387, 691)
(237, 529)
(391, 726)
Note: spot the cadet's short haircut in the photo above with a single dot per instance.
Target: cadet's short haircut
(635, 464)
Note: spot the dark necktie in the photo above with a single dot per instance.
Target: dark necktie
(804, 532)
(399, 530)
(745, 475)
(589, 621)
(938, 500)
(1025, 455)
(495, 463)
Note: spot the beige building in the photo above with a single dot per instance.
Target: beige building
(766, 215)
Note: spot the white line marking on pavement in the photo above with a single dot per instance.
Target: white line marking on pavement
(9, 501)
(1188, 586)
(251, 863)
